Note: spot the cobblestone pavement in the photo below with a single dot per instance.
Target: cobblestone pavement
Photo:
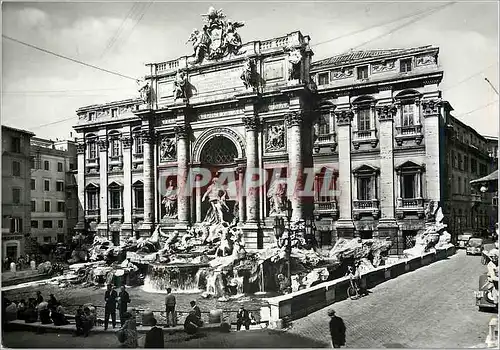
(432, 307)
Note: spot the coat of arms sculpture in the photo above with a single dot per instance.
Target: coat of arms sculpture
(217, 39)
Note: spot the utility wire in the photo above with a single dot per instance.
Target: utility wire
(419, 17)
(59, 91)
(68, 58)
(140, 18)
(477, 109)
(469, 77)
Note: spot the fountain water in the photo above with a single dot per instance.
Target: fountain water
(182, 278)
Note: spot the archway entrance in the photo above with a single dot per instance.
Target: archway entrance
(217, 201)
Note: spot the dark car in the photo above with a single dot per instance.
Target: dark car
(463, 239)
(485, 298)
(474, 246)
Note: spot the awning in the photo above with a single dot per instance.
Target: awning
(493, 177)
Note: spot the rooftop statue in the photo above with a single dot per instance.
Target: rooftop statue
(217, 39)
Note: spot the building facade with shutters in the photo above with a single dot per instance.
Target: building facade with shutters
(54, 201)
(16, 213)
(366, 129)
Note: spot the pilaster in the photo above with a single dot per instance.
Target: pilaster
(431, 109)
(295, 122)
(126, 227)
(102, 227)
(80, 151)
(183, 196)
(251, 126)
(148, 144)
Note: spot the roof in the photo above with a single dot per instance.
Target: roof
(493, 177)
(18, 130)
(352, 56)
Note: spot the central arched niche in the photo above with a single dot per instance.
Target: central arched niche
(219, 150)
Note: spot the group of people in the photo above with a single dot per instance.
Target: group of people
(23, 262)
(36, 309)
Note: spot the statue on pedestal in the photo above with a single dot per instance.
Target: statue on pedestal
(180, 85)
(145, 93)
(294, 60)
(248, 75)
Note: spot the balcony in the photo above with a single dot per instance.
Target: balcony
(92, 165)
(326, 140)
(409, 132)
(92, 212)
(365, 136)
(115, 212)
(115, 163)
(137, 161)
(329, 209)
(476, 198)
(366, 207)
(407, 206)
(138, 212)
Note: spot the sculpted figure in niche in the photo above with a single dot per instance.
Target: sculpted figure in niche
(167, 149)
(248, 75)
(170, 201)
(294, 58)
(180, 84)
(145, 93)
(277, 196)
(216, 195)
(275, 137)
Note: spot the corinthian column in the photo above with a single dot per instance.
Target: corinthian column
(148, 142)
(296, 167)
(102, 227)
(80, 181)
(127, 187)
(182, 133)
(345, 226)
(252, 201)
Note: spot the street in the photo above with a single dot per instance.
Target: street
(433, 306)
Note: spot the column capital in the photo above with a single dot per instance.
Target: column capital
(295, 118)
(251, 123)
(126, 141)
(80, 148)
(386, 112)
(431, 107)
(103, 145)
(344, 117)
(181, 131)
(147, 136)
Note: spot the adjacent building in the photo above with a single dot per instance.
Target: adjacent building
(373, 125)
(16, 174)
(54, 201)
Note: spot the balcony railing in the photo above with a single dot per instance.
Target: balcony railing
(410, 203)
(366, 204)
(476, 198)
(92, 212)
(115, 159)
(409, 130)
(92, 161)
(115, 211)
(364, 134)
(138, 156)
(138, 211)
(325, 140)
(328, 208)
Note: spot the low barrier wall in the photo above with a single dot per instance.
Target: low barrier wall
(303, 302)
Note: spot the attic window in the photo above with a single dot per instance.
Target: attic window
(91, 115)
(363, 72)
(323, 79)
(114, 113)
(405, 65)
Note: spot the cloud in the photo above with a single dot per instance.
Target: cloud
(32, 18)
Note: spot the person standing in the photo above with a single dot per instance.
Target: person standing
(170, 307)
(110, 306)
(123, 300)
(337, 330)
(154, 337)
(243, 318)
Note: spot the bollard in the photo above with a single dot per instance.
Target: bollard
(492, 338)
(215, 316)
(13, 267)
(33, 265)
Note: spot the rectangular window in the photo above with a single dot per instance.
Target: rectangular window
(364, 119)
(16, 225)
(114, 113)
(364, 188)
(408, 186)
(405, 65)
(60, 207)
(138, 197)
(363, 72)
(33, 184)
(34, 223)
(453, 159)
(16, 145)
(460, 165)
(115, 148)
(71, 166)
(92, 200)
(139, 146)
(46, 206)
(59, 186)
(46, 165)
(47, 239)
(16, 195)
(92, 116)
(466, 163)
(16, 168)
(466, 186)
(408, 114)
(59, 167)
(60, 224)
(323, 79)
(60, 238)
(92, 150)
(483, 170)
(33, 162)
(473, 165)
(115, 199)
(46, 185)
(33, 206)
(324, 123)
(459, 185)
(47, 223)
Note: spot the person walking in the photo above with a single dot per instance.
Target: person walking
(170, 307)
(123, 301)
(242, 318)
(110, 306)
(337, 330)
(154, 337)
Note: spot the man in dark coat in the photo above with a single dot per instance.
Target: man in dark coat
(337, 330)
(154, 337)
(110, 306)
(242, 318)
(123, 300)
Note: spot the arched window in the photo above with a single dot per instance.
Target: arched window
(91, 146)
(218, 151)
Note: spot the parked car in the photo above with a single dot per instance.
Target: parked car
(485, 297)
(474, 246)
(463, 239)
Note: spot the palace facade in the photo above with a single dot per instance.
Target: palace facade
(371, 124)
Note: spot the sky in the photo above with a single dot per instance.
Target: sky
(41, 92)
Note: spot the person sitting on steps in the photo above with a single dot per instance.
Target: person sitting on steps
(243, 318)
